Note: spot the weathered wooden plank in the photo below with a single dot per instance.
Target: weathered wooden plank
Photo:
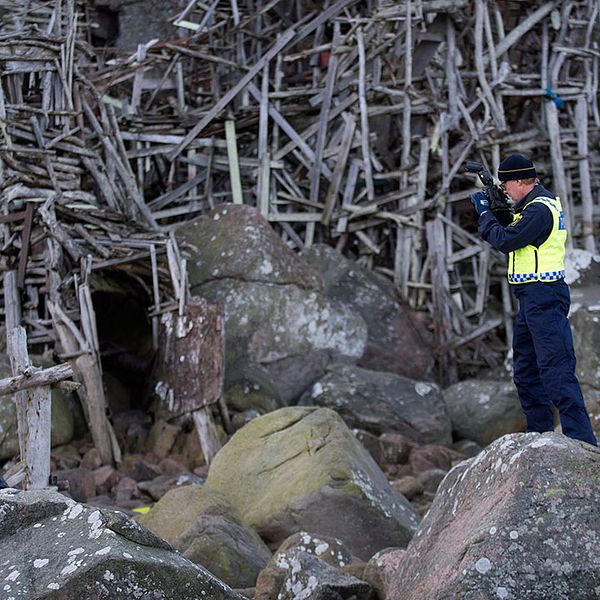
(364, 118)
(585, 186)
(340, 166)
(234, 167)
(35, 406)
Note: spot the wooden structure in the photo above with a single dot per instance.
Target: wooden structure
(343, 121)
(33, 399)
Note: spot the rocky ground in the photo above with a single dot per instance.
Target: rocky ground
(351, 474)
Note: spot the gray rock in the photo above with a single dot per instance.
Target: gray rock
(267, 323)
(62, 421)
(272, 578)
(56, 549)
(483, 411)
(238, 420)
(249, 386)
(301, 469)
(582, 268)
(298, 372)
(520, 520)
(383, 402)
(236, 242)
(431, 479)
(585, 323)
(397, 341)
(307, 576)
(205, 528)
(592, 403)
(156, 488)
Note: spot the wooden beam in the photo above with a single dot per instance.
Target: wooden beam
(35, 377)
(234, 165)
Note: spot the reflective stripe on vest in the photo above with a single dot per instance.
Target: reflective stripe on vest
(546, 263)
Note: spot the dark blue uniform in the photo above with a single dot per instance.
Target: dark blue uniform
(543, 355)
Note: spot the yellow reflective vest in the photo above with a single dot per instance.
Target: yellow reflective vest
(546, 263)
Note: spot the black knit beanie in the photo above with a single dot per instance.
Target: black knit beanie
(516, 166)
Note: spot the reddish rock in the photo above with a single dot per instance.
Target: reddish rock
(126, 490)
(91, 459)
(429, 456)
(380, 569)
(201, 471)
(161, 438)
(138, 468)
(409, 487)
(66, 457)
(79, 483)
(171, 466)
(399, 471)
(192, 450)
(105, 478)
(395, 448)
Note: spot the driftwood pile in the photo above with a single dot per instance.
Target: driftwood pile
(343, 121)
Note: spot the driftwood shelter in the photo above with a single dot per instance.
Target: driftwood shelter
(342, 121)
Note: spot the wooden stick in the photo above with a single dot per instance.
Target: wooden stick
(234, 167)
(35, 377)
(364, 119)
(232, 93)
(587, 201)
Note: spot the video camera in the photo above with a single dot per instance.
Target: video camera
(500, 204)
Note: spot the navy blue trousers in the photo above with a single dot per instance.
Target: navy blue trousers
(544, 361)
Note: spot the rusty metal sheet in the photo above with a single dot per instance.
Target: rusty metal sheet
(191, 358)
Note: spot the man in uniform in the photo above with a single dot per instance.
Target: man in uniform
(543, 355)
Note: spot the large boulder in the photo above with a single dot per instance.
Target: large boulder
(300, 468)
(205, 528)
(269, 323)
(234, 241)
(483, 411)
(397, 341)
(520, 520)
(56, 549)
(383, 402)
(592, 403)
(585, 323)
(582, 268)
(62, 419)
(275, 312)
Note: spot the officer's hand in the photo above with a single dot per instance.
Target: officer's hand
(479, 201)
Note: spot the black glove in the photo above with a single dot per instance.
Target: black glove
(500, 207)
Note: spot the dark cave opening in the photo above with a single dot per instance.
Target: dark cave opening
(125, 339)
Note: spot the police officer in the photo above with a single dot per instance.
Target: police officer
(543, 355)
